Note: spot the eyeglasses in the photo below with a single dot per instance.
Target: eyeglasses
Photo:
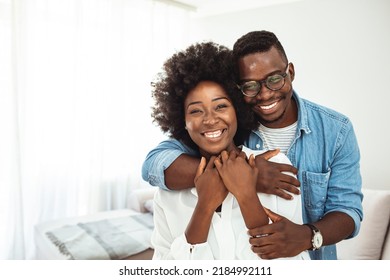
(273, 82)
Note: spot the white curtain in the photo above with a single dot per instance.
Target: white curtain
(75, 121)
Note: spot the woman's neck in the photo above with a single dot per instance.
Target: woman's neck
(231, 147)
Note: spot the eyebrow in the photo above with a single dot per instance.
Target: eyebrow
(269, 74)
(213, 100)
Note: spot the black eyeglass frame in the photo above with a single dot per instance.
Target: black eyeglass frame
(284, 75)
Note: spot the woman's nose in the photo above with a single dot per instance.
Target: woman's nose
(210, 119)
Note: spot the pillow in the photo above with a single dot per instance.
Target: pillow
(386, 247)
(368, 244)
(137, 198)
(149, 205)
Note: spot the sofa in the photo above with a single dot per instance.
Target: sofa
(372, 242)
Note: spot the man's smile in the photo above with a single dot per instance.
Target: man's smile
(268, 107)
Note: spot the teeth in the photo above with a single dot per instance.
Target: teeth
(213, 134)
(269, 106)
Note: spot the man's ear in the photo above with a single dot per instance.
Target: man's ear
(291, 71)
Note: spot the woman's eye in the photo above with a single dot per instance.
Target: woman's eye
(221, 106)
(194, 111)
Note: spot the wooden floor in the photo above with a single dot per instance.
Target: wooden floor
(145, 255)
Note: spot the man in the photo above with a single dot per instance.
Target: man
(320, 143)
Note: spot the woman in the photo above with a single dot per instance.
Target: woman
(197, 103)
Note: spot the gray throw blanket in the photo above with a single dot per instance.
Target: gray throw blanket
(115, 238)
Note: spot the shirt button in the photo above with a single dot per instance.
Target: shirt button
(257, 146)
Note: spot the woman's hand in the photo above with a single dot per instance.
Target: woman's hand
(238, 175)
(211, 193)
(209, 185)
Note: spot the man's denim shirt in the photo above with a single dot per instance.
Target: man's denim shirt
(325, 152)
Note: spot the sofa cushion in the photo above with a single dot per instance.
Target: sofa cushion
(386, 247)
(368, 244)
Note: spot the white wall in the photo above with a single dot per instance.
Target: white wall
(341, 53)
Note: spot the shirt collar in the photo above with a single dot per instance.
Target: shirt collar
(303, 123)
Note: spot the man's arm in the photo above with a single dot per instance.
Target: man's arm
(283, 238)
(181, 173)
(335, 226)
(170, 165)
(271, 178)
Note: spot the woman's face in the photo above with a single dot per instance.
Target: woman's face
(210, 118)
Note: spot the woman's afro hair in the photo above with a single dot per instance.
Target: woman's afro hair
(181, 73)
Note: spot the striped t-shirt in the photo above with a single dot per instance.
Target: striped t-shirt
(278, 138)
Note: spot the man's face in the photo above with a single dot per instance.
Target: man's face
(275, 109)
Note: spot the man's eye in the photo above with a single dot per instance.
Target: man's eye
(251, 86)
(274, 79)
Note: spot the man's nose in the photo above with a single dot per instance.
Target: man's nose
(264, 91)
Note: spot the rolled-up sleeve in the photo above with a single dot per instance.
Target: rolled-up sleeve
(160, 158)
(345, 181)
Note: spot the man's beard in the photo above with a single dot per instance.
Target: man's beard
(268, 122)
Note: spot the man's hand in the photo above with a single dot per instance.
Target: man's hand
(272, 180)
(280, 239)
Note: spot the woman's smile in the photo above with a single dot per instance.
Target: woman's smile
(215, 134)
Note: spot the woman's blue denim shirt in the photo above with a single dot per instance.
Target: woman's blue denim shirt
(325, 152)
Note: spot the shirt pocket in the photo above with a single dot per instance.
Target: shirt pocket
(315, 189)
